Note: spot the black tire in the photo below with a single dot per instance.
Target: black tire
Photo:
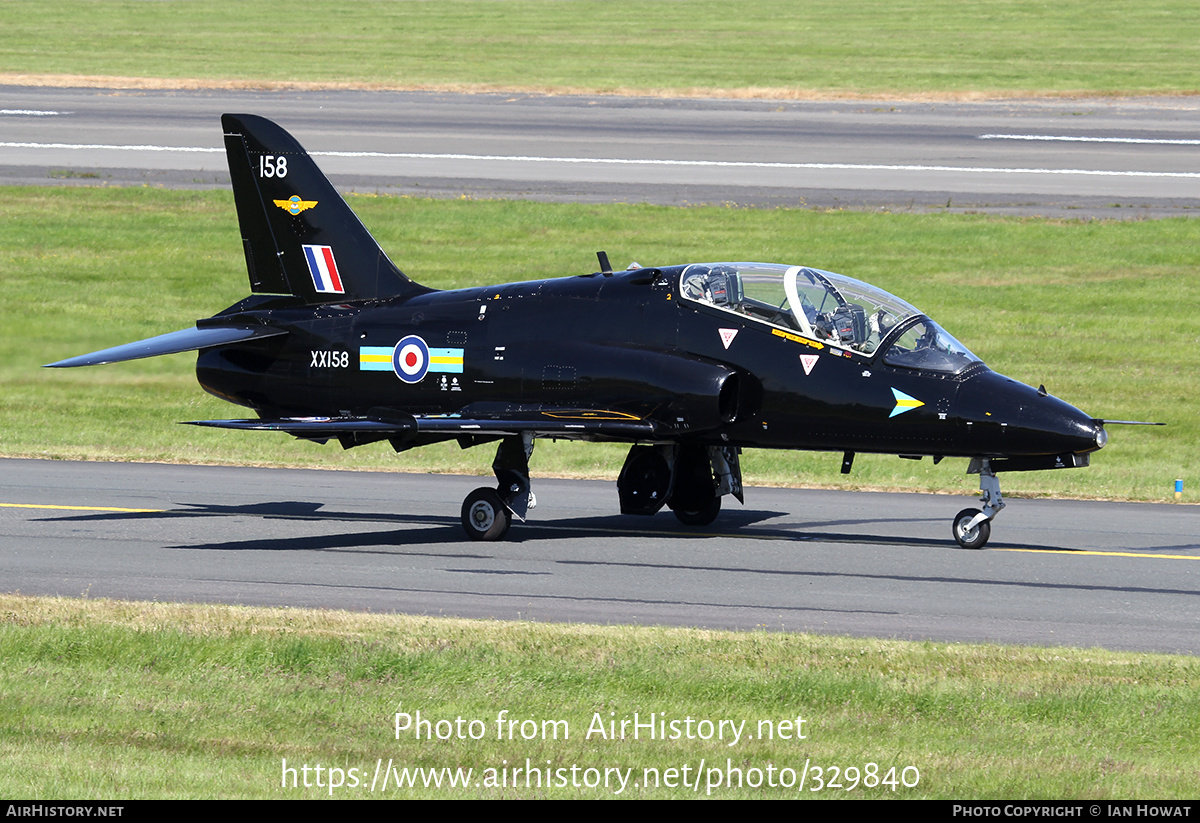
(975, 538)
(645, 481)
(694, 500)
(697, 512)
(484, 515)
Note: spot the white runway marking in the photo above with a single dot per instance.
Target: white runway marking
(93, 146)
(1070, 139)
(617, 161)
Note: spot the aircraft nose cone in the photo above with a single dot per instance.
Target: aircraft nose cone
(1020, 419)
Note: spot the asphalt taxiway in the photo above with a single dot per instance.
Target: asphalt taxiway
(1057, 572)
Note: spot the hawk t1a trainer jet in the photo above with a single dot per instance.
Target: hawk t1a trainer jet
(689, 364)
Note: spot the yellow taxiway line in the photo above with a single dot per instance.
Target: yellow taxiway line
(76, 508)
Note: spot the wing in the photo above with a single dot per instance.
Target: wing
(408, 430)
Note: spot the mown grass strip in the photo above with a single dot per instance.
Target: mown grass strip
(771, 48)
(108, 699)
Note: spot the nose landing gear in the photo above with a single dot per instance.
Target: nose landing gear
(971, 527)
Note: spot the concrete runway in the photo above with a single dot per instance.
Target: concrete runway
(1072, 158)
(1114, 575)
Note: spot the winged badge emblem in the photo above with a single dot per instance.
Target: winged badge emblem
(294, 205)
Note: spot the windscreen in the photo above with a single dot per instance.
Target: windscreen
(827, 307)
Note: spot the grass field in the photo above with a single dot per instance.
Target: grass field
(1090, 309)
(767, 48)
(119, 700)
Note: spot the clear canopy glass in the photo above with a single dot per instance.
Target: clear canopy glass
(830, 308)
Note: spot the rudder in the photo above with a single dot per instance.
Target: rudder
(299, 235)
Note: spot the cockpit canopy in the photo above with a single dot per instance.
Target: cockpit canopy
(829, 308)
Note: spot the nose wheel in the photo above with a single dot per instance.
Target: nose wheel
(971, 527)
(971, 536)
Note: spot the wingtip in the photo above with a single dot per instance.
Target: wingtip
(1101, 422)
(75, 362)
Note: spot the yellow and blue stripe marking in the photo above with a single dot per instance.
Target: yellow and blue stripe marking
(375, 358)
(410, 359)
(449, 361)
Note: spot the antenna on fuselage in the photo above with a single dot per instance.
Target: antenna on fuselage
(605, 266)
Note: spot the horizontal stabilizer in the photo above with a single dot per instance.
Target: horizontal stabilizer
(172, 343)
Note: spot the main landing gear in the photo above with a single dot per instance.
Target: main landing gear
(972, 527)
(689, 479)
(487, 513)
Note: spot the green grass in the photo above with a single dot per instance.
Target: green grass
(1089, 308)
(112, 700)
(745, 47)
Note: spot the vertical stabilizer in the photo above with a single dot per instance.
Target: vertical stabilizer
(299, 235)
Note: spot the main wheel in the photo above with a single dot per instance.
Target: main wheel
(697, 512)
(971, 538)
(484, 515)
(644, 481)
(694, 500)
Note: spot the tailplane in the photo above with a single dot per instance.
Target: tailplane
(299, 235)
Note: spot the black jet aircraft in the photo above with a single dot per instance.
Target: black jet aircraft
(689, 364)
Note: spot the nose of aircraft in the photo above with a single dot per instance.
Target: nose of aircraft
(1004, 416)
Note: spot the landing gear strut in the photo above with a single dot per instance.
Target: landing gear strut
(972, 527)
(487, 513)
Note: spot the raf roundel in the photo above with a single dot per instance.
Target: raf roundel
(410, 359)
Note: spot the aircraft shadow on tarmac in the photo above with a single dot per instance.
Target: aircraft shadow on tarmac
(430, 531)
(427, 530)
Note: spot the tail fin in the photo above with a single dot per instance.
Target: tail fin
(299, 235)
